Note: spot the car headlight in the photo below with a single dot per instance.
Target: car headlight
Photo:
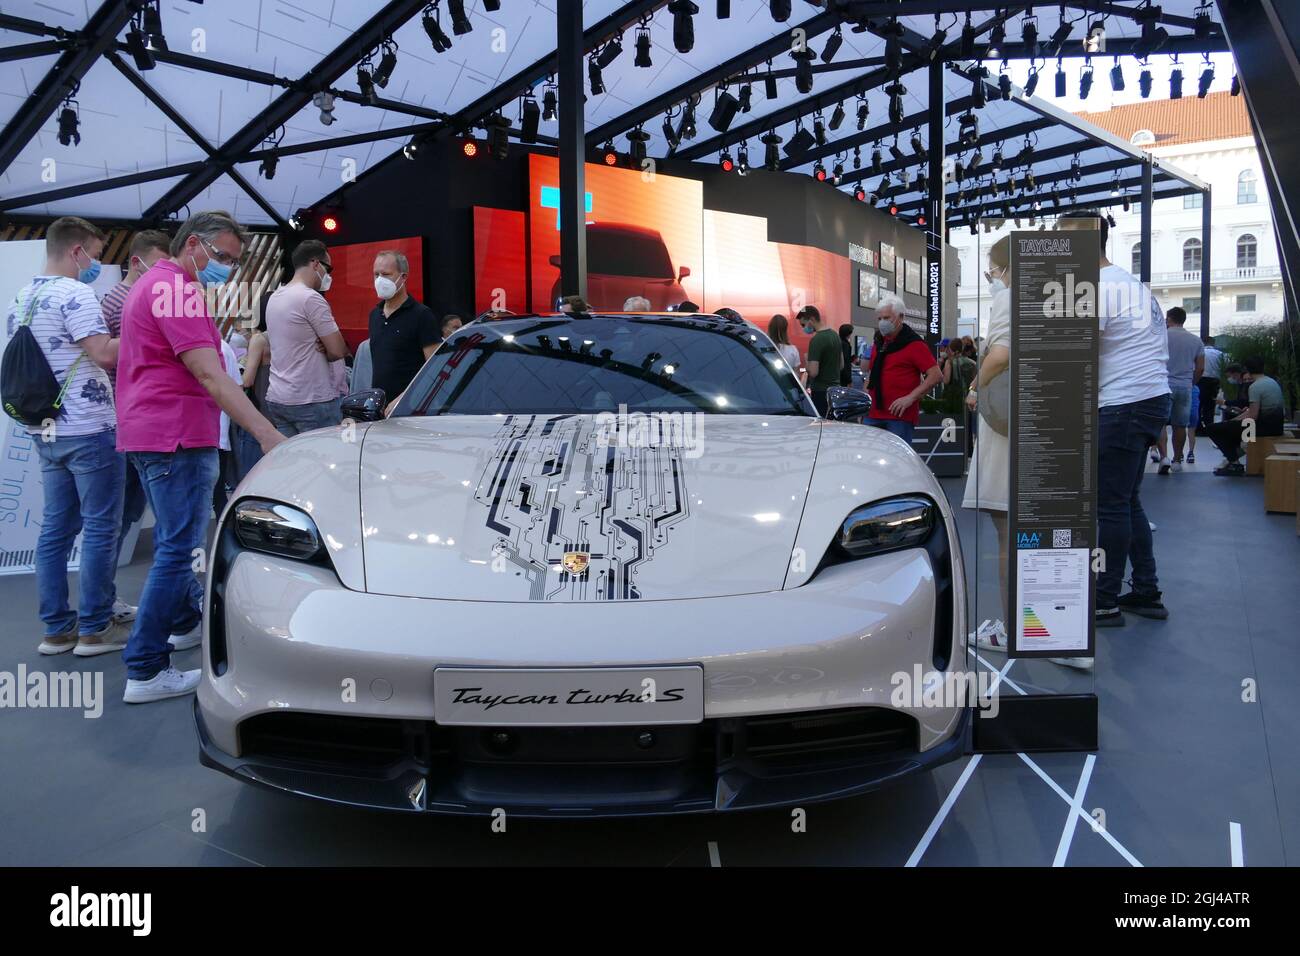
(887, 526)
(277, 528)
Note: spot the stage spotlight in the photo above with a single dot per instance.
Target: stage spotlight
(967, 47)
(330, 224)
(151, 24)
(837, 117)
(1144, 83)
(978, 95)
(1110, 220)
(683, 24)
(819, 172)
(1085, 81)
(1076, 171)
(893, 34)
(725, 162)
(1176, 83)
(742, 159)
(1031, 84)
(549, 103)
(837, 173)
(724, 9)
(876, 161)
(860, 194)
(997, 37)
(920, 219)
(900, 157)
(893, 209)
(491, 6)
(498, 130)
(686, 129)
(460, 24)
(996, 162)
(1060, 79)
(1206, 78)
(780, 10)
(298, 221)
(366, 82)
(863, 112)
(1004, 86)
(976, 158)
(1124, 203)
(530, 114)
(1203, 21)
(819, 130)
(771, 153)
(769, 86)
(387, 63)
(594, 77)
(745, 93)
(958, 171)
(609, 155)
(670, 134)
(1029, 36)
(325, 103)
(68, 123)
(833, 44)
(137, 44)
(1236, 86)
(1059, 36)
(266, 168)
(725, 107)
(968, 129)
(1117, 76)
(803, 75)
(433, 27)
(642, 48)
(800, 143)
(1153, 36)
(918, 147)
(896, 91)
(609, 52)
(411, 149)
(922, 182)
(637, 139)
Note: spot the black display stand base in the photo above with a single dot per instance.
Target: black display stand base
(1038, 723)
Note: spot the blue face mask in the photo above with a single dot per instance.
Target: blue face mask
(90, 273)
(214, 273)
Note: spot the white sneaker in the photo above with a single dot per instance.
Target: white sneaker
(1078, 663)
(1165, 465)
(123, 613)
(111, 637)
(1178, 465)
(164, 684)
(191, 638)
(990, 636)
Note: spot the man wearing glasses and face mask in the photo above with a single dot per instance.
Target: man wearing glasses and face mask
(403, 332)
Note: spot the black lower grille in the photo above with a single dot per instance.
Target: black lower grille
(327, 739)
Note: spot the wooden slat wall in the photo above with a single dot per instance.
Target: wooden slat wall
(261, 266)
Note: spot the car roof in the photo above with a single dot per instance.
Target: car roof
(703, 318)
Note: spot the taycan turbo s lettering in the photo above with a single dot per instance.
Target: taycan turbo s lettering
(591, 565)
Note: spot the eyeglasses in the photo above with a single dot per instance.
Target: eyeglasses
(224, 258)
(329, 269)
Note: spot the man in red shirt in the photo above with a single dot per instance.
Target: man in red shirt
(902, 370)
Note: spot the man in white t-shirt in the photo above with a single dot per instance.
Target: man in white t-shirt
(1209, 383)
(81, 470)
(1133, 399)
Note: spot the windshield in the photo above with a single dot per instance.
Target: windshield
(587, 365)
(620, 252)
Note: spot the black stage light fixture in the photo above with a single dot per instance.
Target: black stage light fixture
(819, 172)
(780, 10)
(1026, 155)
(1125, 203)
(742, 159)
(1085, 81)
(819, 130)
(893, 34)
(725, 162)
(936, 41)
(860, 194)
(725, 107)
(68, 123)
(410, 151)
(1059, 36)
(771, 153)
(1236, 86)
(1110, 220)
(491, 6)
(997, 37)
(609, 52)
(1117, 76)
(724, 9)
(460, 24)
(670, 134)
(137, 44)
(550, 101)
(1076, 171)
(976, 158)
(594, 77)
(896, 91)
(918, 147)
(833, 44)
(387, 63)
(978, 95)
(863, 112)
(900, 157)
(996, 161)
(498, 130)
(1060, 79)
(642, 48)
(267, 166)
(803, 75)
(431, 20)
(837, 116)
(967, 48)
(1030, 183)
(1031, 84)
(837, 173)
(1153, 35)
(1203, 21)
(958, 171)
(1029, 36)
(922, 182)
(746, 92)
(1004, 86)
(637, 140)
(151, 23)
(1144, 83)
(877, 162)
(800, 143)
(366, 82)
(968, 128)
(608, 154)
(1206, 78)
(530, 114)
(1176, 83)
(769, 86)
(683, 25)
(686, 128)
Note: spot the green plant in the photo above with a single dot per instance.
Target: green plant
(1275, 343)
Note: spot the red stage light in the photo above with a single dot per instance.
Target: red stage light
(920, 220)
(330, 224)
(611, 157)
(859, 194)
(728, 165)
(893, 209)
(469, 148)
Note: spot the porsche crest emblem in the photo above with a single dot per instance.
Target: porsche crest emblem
(575, 562)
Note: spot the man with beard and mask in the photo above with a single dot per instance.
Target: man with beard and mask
(825, 356)
(902, 370)
(403, 332)
(303, 394)
(171, 390)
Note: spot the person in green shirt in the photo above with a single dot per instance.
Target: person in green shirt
(825, 356)
(1265, 408)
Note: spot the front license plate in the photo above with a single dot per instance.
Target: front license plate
(568, 697)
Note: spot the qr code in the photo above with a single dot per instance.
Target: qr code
(1061, 539)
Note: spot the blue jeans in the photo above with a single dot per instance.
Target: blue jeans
(1123, 531)
(902, 429)
(81, 478)
(132, 504)
(178, 485)
(290, 420)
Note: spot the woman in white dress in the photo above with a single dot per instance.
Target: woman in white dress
(989, 479)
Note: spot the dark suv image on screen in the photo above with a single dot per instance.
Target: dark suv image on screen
(623, 261)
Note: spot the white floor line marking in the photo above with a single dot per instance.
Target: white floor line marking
(1234, 840)
(939, 817)
(1092, 824)
(1076, 806)
(1002, 676)
(714, 858)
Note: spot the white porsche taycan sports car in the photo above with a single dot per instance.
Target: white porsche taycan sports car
(589, 565)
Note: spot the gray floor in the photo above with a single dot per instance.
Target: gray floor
(1182, 756)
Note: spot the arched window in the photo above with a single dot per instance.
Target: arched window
(1192, 255)
(1137, 258)
(1246, 187)
(1143, 137)
(1247, 249)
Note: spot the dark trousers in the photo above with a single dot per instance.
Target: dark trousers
(1209, 392)
(1226, 437)
(820, 402)
(1123, 531)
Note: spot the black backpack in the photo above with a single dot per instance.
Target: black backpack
(29, 390)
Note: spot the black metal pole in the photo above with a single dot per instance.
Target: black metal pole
(935, 212)
(1205, 263)
(1146, 221)
(573, 149)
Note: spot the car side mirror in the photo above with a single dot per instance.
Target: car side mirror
(683, 272)
(847, 404)
(366, 405)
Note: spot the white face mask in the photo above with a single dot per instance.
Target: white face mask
(326, 280)
(996, 284)
(385, 287)
(886, 327)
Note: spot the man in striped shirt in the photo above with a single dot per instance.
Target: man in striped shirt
(147, 247)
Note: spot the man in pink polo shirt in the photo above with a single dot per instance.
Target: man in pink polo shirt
(171, 390)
